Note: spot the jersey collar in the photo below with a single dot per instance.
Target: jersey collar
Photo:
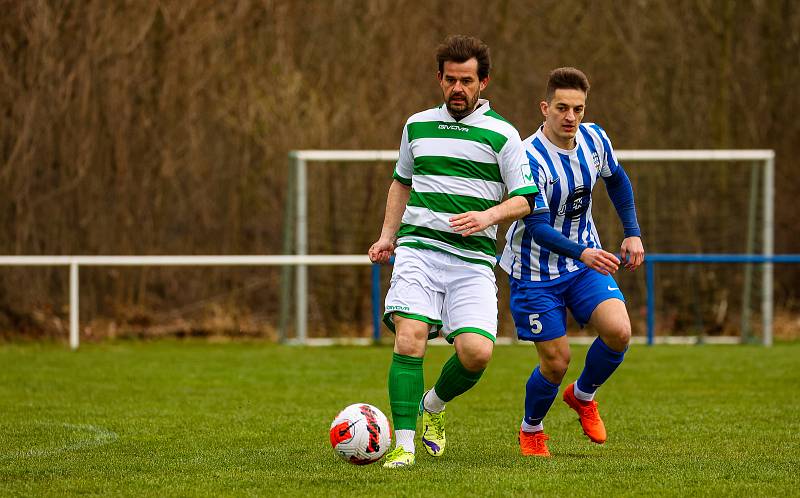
(554, 148)
(481, 108)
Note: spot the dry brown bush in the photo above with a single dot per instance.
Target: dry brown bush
(163, 127)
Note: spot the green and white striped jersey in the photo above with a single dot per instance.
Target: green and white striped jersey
(454, 167)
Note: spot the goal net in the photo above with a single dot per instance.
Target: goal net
(705, 202)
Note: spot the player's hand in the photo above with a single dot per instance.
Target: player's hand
(381, 251)
(632, 252)
(470, 222)
(600, 260)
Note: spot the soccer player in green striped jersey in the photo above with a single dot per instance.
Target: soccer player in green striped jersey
(457, 163)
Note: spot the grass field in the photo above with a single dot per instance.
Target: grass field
(195, 418)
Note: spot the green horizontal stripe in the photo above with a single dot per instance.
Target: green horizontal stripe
(477, 243)
(440, 129)
(451, 166)
(404, 181)
(531, 189)
(389, 321)
(472, 330)
(449, 203)
(423, 245)
(493, 114)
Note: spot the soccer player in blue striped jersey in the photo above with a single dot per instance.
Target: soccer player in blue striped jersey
(555, 260)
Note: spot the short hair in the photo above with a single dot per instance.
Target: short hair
(566, 77)
(461, 48)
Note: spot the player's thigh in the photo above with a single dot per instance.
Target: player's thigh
(539, 313)
(587, 291)
(414, 292)
(470, 302)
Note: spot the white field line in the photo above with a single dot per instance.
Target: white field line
(96, 436)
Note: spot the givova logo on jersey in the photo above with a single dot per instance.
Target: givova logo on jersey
(453, 127)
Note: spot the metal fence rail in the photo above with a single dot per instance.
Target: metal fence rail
(74, 262)
(650, 263)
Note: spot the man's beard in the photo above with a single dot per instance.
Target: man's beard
(466, 111)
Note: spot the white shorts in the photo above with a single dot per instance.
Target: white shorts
(437, 288)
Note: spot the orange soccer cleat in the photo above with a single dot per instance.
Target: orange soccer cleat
(587, 411)
(533, 443)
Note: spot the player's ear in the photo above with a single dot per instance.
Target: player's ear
(484, 83)
(439, 76)
(543, 107)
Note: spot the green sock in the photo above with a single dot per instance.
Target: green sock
(455, 379)
(405, 390)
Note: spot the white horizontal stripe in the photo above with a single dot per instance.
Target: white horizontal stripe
(453, 147)
(455, 185)
(449, 248)
(424, 217)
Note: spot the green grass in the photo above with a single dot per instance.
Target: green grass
(194, 418)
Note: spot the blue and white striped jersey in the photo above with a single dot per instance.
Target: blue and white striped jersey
(565, 179)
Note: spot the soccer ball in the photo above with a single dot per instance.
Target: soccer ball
(360, 434)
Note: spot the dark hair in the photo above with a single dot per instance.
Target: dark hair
(461, 48)
(566, 77)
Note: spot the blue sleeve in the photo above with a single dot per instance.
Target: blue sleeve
(550, 238)
(621, 193)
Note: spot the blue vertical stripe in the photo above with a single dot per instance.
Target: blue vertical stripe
(590, 242)
(527, 236)
(612, 162)
(555, 200)
(587, 137)
(587, 182)
(510, 244)
(566, 227)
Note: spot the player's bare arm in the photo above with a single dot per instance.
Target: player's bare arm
(396, 201)
(474, 221)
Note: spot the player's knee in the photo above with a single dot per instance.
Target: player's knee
(618, 337)
(554, 368)
(410, 341)
(476, 359)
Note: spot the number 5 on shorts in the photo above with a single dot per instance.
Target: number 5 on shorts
(536, 325)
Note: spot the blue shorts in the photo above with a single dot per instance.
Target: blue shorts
(540, 308)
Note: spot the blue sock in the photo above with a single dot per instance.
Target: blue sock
(539, 396)
(601, 361)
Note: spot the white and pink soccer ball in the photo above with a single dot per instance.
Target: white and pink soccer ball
(360, 434)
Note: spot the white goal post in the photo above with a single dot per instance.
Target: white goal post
(296, 216)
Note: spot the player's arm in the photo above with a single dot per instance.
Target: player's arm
(522, 189)
(620, 190)
(396, 201)
(474, 221)
(548, 237)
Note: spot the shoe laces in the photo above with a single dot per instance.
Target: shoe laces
(589, 410)
(437, 422)
(395, 453)
(534, 441)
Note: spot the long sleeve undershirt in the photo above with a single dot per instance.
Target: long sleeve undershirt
(621, 193)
